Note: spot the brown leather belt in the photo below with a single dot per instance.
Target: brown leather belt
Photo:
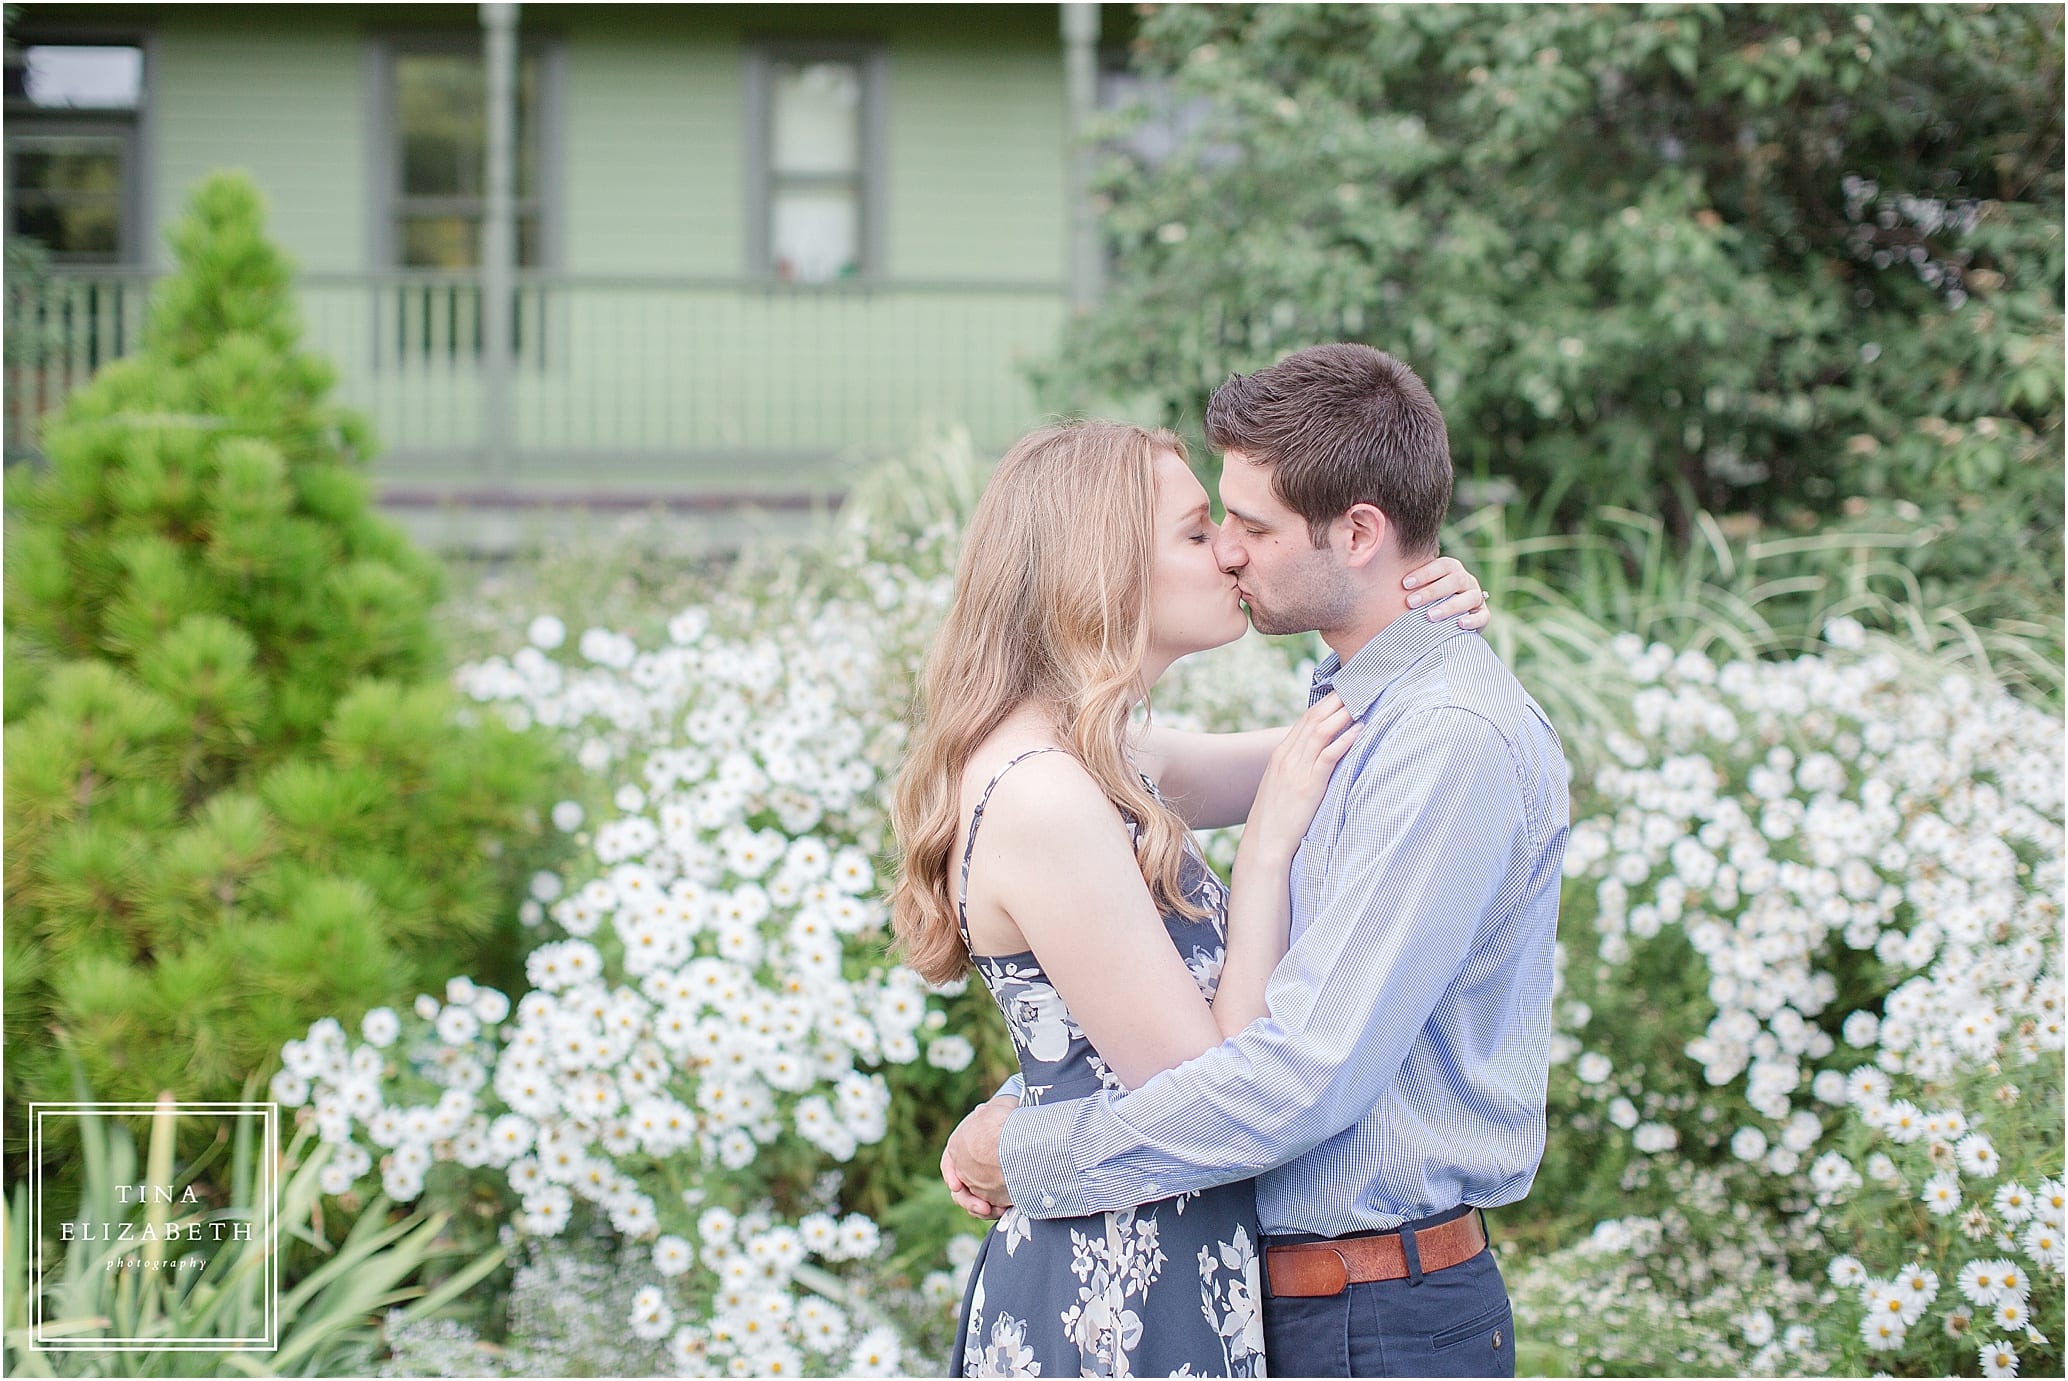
(1308, 1269)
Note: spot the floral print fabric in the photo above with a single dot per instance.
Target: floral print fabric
(1167, 1289)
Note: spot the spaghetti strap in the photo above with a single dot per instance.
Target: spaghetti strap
(977, 818)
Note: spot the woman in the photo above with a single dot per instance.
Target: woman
(1048, 841)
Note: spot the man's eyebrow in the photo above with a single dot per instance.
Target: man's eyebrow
(1239, 515)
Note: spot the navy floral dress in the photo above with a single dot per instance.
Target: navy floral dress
(1167, 1289)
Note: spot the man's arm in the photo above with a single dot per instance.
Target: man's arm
(1436, 823)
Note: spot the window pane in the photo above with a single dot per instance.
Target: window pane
(88, 232)
(454, 241)
(441, 242)
(67, 77)
(58, 164)
(441, 123)
(66, 193)
(442, 116)
(817, 234)
(818, 117)
(527, 130)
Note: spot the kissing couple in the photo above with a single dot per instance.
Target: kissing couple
(1259, 1119)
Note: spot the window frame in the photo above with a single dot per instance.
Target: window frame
(871, 58)
(136, 238)
(385, 201)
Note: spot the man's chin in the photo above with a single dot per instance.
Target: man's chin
(1265, 624)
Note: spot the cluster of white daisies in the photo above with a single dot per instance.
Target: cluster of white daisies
(1799, 818)
(708, 981)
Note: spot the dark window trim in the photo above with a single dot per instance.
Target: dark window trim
(758, 91)
(140, 241)
(384, 199)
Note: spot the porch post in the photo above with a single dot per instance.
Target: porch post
(1081, 79)
(499, 237)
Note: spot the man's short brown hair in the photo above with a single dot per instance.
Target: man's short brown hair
(1341, 425)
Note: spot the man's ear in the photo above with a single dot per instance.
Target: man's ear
(1361, 534)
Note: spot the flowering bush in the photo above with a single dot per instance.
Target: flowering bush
(1800, 893)
(1694, 1290)
(1810, 947)
(702, 1058)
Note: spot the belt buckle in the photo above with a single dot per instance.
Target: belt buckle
(1298, 1256)
(1342, 1274)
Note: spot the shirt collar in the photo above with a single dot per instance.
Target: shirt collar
(1381, 661)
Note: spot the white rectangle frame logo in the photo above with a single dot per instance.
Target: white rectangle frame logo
(266, 1210)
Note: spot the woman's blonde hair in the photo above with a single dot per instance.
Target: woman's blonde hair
(1051, 603)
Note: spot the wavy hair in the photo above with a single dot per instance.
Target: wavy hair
(1051, 604)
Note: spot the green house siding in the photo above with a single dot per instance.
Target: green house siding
(283, 100)
(654, 172)
(976, 173)
(649, 358)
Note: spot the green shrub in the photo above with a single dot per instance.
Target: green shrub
(1796, 263)
(239, 791)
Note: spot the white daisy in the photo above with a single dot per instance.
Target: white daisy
(1942, 1193)
(1999, 1359)
(1978, 1156)
(1882, 1332)
(1904, 1122)
(2014, 1202)
(2042, 1243)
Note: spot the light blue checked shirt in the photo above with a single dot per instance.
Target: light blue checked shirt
(1402, 1069)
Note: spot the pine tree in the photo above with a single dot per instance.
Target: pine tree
(239, 794)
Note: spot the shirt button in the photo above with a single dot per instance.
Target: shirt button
(1153, 1188)
(1048, 1201)
(1497, 1340)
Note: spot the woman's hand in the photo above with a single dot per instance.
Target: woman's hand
(1444, 589)
(1295, 780)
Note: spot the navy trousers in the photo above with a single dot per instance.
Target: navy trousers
(1456, 1322)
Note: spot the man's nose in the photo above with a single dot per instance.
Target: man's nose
(1228, 552)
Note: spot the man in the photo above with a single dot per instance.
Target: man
(1398, 1084)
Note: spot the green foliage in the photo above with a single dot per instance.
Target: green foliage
(239, 791)
(1758, 596)
(1798, 263)
(326, 1318)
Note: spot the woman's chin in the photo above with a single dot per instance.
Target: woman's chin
(1233, 634)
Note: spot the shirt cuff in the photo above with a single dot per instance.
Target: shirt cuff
(1034, 1154)
(1014, 1087)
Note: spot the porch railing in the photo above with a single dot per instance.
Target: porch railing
(617, 383)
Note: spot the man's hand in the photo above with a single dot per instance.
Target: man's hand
(969, 1165)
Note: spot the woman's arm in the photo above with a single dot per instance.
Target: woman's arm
(1210, 780)
(1060, 864)
(1260, 897)
(1095, 930)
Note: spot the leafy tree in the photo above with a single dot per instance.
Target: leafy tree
(1796, 262)
(239, 793)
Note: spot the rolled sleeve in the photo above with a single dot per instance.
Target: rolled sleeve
(1433, 824)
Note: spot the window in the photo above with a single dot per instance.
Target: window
(72, 175)
(438, 188)
(430, 193)
(817, 118)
